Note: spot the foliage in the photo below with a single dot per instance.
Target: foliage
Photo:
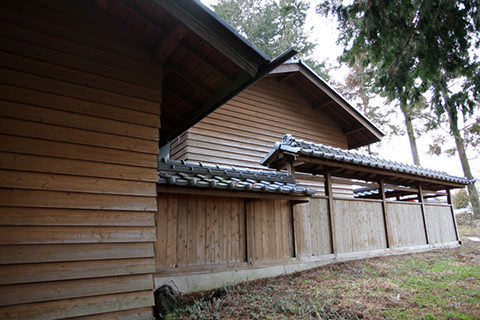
(460, 200)
(273, 26)
(471, 138)
(410, 47)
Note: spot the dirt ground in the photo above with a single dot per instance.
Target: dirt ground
(441, 284)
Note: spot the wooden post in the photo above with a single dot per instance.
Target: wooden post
(450, 202)
(422, 206)
(331, 217)
(381, 188)
(294, 222)
(249, 230)
(290, 168)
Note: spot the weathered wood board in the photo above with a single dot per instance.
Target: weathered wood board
(358, 225)
(440, 225)
(79, 131)
(404, 224)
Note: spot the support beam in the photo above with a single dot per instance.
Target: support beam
(211, 65)
(450, 202)
(222, 39)
(287, 77)
(422, 206)
(190, 79)
(350, 131)
(381, 189)
(331, 217)
(166, 46)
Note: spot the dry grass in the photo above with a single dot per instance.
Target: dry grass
(442, 284)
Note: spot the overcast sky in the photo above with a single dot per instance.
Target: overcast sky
(324, 33)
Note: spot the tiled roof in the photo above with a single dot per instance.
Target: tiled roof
(203, 175)
(320, 151)
(368, 191)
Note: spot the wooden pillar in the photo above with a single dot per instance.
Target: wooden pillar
(450, 202)
(290, 169)
(422, 206)
(249, 230)
(331, 217)
(381, 188)
(293, 205)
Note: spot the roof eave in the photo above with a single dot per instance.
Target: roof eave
(299, 66)
(208, 25)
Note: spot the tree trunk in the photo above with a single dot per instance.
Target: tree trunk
(411, 136)
(472, 189)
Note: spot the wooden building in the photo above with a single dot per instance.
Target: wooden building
(92, 222)
(291, 99)
(89, 89)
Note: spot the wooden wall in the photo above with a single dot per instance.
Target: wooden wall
(358, 225)
(440, 224)
(244, 130)
(79, 122)
(405, 224)
(206, 230)
(199, 230)
(312, 228)
(269, 230)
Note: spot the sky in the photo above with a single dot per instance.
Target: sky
(323, 31)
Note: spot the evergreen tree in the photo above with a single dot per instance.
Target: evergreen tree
(411, 46)
(273, 26)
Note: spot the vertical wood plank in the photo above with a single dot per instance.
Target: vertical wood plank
(454, 219)
(200, 230)
(227, 230)
(235, 234)
(211, 229)
(162, 229)
(172, 230)
(250, 230)
(182, 245)
(331, 215)
(422, 206)
(299, 225)
(242, 221)
(219, 233)
(381, 185)
(278, 229)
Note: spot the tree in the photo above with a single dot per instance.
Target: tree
(411, 46)
(273, 26)
(356, 90)
(460, 200)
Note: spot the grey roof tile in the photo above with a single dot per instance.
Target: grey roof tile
(205, 175)
(321, 151)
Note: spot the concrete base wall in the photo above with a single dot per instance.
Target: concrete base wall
(194, 282)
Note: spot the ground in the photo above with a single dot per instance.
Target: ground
(441, 284)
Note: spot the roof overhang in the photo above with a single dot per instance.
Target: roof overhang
(359, 130)
(205, 61)
(308, 157)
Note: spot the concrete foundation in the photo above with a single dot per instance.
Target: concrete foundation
(194, 282)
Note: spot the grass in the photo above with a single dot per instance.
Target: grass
(441, 284)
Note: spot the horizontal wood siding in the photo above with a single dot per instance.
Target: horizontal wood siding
(197, 230)
(358, 225)
(440, 225)
(79, 131)
(312, 228)
(244, 130)
(241, 132)
(404, 224)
